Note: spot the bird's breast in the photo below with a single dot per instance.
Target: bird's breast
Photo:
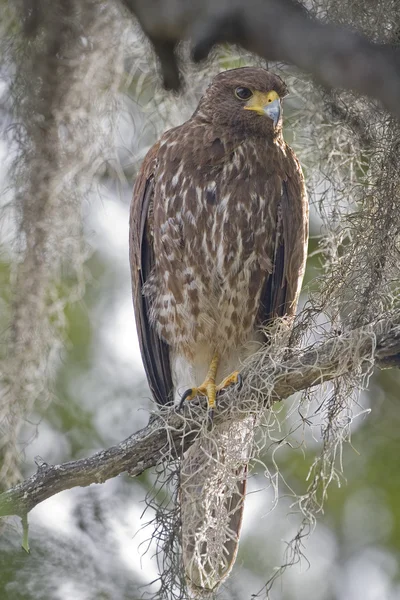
(214, 242)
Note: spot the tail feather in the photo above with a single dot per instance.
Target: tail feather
(212, 491)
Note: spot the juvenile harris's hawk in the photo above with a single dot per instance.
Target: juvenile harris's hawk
(218, 238)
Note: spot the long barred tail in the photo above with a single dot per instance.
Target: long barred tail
(212, 491)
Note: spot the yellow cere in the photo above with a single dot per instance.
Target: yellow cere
(260, 100)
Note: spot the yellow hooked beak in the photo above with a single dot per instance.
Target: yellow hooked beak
(265, 104)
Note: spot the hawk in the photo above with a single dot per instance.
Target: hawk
(218, 243)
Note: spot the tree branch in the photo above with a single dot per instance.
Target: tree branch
(171, 431)
(279, 30)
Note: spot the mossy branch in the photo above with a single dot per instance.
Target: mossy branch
(169, 433)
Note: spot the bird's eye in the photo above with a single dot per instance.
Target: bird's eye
(243, 93)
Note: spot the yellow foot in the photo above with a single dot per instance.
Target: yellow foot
(209, 389)
(234, 378)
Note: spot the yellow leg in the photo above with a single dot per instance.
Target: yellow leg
(208, 388)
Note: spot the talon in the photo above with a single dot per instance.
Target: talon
(210, 418)
(188, 395)
(239, 381)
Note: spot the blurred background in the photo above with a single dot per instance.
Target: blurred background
(89, 390)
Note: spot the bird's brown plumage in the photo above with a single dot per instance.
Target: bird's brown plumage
(219, 226)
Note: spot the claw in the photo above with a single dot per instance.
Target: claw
(185, 396)
(239, 381)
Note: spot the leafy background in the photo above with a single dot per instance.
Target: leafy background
(93, 543)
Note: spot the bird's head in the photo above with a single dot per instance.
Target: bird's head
(247, 100)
